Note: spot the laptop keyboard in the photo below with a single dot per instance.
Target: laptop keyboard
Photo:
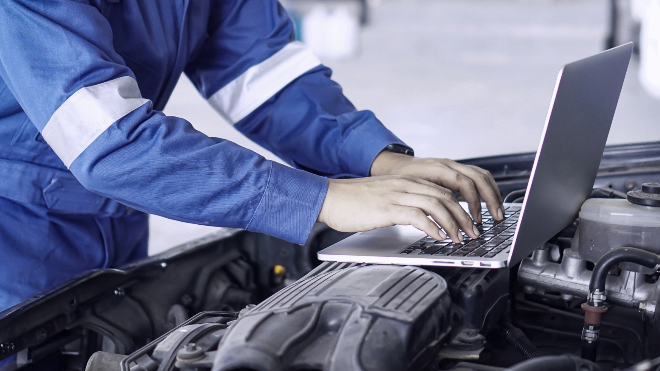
(495, 237)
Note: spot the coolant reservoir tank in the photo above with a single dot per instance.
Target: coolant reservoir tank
(607, 224)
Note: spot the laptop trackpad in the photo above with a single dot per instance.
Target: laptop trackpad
(397, 230)
(377, 242)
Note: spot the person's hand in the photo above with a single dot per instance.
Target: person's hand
(355, 205)
(470, 181)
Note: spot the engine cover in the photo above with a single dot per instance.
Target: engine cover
(361, 318)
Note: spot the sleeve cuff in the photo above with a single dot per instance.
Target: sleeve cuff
(364, 143)
(290, 204)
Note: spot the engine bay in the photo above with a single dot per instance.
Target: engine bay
(243, 301)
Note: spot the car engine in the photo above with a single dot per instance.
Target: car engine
(338, 317)
(585, 300)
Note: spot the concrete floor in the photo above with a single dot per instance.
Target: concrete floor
(457, 79)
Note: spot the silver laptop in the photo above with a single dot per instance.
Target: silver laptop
(564, 171)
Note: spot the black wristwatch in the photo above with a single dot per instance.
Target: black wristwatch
(397, 148)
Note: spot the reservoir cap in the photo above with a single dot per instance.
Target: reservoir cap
(649, 195)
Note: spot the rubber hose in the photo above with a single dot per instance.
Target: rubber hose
(589, 350)
(616, 256)
(518, 338)
(555, 363)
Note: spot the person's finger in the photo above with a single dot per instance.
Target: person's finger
(424, 187)
(495, 186)
(466, 223)
(486, 186)
(435, 208)
(454, 179)
(470, 193)
(491, 180)
(445, 210)
(406, 215)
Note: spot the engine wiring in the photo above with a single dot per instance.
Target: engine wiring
(518, 195)
(514, 196)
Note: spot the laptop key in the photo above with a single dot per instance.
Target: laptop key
(445, 251)
(474, 243)
(432, 249)
(479, 252)
(453, 247)
(480, 243)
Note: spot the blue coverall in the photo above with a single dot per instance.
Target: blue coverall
(85, 151)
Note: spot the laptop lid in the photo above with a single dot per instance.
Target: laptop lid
(572, 144)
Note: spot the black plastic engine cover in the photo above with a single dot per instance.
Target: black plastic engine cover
(361, 318)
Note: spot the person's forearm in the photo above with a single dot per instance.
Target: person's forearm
(161, 165)
(311, 125)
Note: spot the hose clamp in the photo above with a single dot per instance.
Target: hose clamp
(597, 297)
(590, 334)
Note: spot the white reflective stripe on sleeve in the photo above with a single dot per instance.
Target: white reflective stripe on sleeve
(88, 113)
(256, 85)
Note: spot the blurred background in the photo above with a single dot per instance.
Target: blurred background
(457, 79)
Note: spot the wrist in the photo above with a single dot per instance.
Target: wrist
(328, 201)
(388, 163)
(322, 217)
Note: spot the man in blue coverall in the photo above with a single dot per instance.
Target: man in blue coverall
(85, 151)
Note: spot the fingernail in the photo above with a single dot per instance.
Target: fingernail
(442, 234)
(500, 214)
(475, 229)
(460, 237)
